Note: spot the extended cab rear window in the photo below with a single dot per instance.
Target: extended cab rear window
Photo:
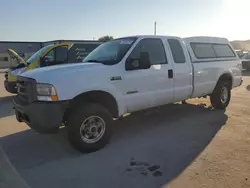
(209, 50)
(177, 51)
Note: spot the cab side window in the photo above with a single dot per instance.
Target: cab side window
(61, 53)
(58, 55)
(177, 51)
(51, 56)
(155, 49)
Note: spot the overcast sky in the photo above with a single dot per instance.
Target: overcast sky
(41, 20)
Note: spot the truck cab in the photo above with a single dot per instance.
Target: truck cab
(122, 76)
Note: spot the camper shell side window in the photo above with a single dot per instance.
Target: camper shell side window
(211, 50)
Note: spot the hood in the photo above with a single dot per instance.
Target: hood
(15, 55)
(44, 74)
(17, 71)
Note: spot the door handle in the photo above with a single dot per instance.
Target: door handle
(170, 73)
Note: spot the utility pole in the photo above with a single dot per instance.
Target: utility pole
(155, 28)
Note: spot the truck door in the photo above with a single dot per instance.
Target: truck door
(144, 88)
(182, 69)
(57, 55)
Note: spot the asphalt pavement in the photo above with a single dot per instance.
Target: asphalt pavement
(9, 177)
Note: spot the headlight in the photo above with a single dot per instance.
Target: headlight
(46, 92)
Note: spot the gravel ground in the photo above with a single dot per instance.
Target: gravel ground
(176, 145)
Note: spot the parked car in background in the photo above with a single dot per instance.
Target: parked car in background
(245, 59)
(53, 54)
(239, 53)
(122, 76)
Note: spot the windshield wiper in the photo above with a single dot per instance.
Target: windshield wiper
(106, 62)
(94, 61)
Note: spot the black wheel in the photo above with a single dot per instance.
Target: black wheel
(221, 95)
(89, 127)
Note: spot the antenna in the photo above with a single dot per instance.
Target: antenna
(155, 28)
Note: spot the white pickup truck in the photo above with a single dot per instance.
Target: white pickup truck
(122, 76)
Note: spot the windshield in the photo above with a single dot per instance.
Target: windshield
(38, 54)
(111, 52)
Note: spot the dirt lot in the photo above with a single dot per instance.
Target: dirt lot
(174, 146)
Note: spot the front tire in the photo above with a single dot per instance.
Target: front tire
(221, 95)
(89, 127)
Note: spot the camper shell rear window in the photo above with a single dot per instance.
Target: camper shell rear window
(211, 50)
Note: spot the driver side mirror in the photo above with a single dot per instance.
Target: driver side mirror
(144, 61)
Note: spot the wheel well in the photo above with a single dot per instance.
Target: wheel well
(226, 78)
(100, 97)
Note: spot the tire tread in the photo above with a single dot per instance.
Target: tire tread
(77, 116)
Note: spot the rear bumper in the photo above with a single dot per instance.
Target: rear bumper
(10, 86)
(43, 117)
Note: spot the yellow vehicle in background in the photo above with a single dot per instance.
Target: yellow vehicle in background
(53, 54)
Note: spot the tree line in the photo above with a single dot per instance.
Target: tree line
(106, 38)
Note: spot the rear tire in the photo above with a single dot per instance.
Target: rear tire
(221, 95)
(89, 127)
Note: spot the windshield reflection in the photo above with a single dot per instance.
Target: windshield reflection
(111, 52)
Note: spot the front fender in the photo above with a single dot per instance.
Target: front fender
(12, 75)
(72, 92)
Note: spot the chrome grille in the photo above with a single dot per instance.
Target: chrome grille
(26, 89)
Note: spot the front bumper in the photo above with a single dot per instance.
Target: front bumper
(10, 86)
(241, 82)
(246, 65)
(43, 117)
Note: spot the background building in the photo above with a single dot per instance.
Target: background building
(26, 49)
